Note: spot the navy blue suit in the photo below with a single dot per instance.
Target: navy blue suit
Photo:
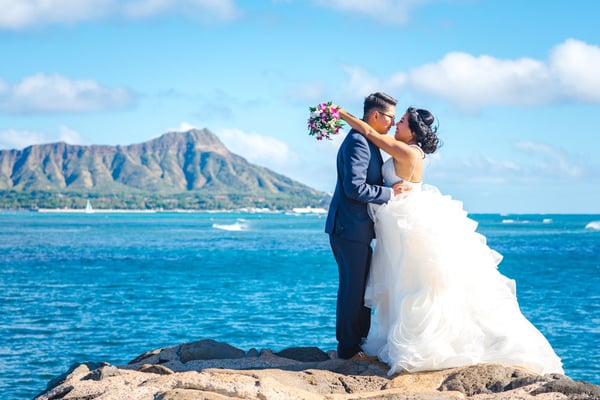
(351, 231)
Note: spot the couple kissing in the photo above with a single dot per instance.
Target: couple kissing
(428, 295)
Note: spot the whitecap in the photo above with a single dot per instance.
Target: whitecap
(547, 221)
(514, 221)
(231, 227)
(594, 225)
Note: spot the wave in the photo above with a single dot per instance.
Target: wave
(526, 221)
(594, 225)
(237, 226)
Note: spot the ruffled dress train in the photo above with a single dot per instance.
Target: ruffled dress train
(437, 296)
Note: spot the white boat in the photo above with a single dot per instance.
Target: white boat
(88, 208)
(309, 210)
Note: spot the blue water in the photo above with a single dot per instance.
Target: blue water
(108, 287)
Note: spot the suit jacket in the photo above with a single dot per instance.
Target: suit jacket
(359, 182)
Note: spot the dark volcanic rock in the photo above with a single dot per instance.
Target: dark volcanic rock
(483, 378)
(304, 354)
(575, 390)
(208, 349)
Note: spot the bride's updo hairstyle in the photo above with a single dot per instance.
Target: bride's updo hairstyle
(420, 123)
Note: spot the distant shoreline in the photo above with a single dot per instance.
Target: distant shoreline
(297, 210)
(84, 211)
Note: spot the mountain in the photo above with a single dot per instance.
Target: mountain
(192, 167)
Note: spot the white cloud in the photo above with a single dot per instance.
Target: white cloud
(3, 87)
(23, 13)
(571, 74)
(55, 93)
(263, 150)
(473, 82)
(19, 139)
(70, 136)
(205, 9)
(535, 147)
(183, 127)
(360, 82)
(550, 161)
(542, 163)
(577, 67)
(27, 13)
(13, 139)
(388, 11)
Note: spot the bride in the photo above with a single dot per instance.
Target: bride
(438, 299)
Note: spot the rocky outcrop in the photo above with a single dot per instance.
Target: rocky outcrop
(214, 371)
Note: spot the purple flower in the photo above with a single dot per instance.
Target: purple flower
(324, 121)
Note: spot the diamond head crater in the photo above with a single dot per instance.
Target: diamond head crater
(190, 170)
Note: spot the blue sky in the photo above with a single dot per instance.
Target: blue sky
(515, 85)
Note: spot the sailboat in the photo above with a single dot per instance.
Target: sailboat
(88, 208)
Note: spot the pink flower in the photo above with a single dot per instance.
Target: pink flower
(324, 121)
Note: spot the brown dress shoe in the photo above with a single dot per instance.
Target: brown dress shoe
(362, 356)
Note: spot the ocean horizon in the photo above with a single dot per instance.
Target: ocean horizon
(105, 286)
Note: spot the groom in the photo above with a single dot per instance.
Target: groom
(350, 229)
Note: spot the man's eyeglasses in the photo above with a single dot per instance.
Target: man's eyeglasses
(392, 117)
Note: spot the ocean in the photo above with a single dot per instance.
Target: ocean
(110, 286)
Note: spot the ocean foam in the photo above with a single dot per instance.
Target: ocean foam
(594, 225)
(231, 227)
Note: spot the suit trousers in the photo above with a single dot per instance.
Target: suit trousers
(353, 319)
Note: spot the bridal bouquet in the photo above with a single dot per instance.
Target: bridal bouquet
(324, 121)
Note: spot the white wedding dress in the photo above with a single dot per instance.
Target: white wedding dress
(438, 299)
